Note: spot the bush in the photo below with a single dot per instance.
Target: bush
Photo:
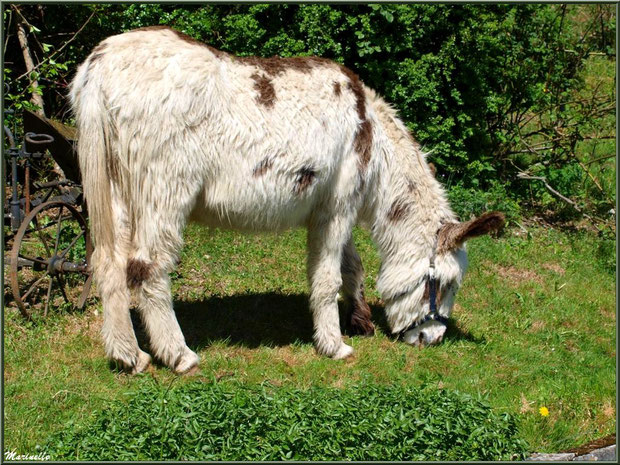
(467, 202)
(200, 421)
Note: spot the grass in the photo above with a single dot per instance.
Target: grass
(534, 325)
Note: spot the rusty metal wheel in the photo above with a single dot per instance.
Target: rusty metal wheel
(49, 262)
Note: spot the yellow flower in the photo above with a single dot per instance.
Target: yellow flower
(544, 411)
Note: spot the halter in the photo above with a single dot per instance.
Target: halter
(432, 295)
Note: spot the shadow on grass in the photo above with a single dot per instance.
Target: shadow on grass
(266, 319)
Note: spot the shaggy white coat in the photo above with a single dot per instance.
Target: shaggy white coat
(170, 130)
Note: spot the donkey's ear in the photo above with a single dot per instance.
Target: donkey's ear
(433, 168)
(452, 235)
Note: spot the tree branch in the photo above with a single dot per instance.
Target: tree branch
(36, 98)
(605, 157)
(7, 29)
(63, 45)
(524, 175)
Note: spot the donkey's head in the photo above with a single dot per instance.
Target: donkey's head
(420, 313)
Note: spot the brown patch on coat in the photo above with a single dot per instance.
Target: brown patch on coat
(360, 317)
(264, 166)
(363, 143)
(398, 210)
(337, 89)
(363, 137)
(264, 87)
(356, 86)
(181, 35)
(138, 271)
(274, 66)
(452, 235)
(305, 176)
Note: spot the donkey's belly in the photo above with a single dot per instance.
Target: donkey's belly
(252, 207)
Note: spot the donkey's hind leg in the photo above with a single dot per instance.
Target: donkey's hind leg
(359, 315)
(109, 263)
(166, 338)
(160, 220)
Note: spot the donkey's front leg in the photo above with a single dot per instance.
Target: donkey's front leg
(359, 317)
(325, 243)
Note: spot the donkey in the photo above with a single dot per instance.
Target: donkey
(172, 130)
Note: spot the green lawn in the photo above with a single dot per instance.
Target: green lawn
(534, 326)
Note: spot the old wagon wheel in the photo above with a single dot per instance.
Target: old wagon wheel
(49, 263)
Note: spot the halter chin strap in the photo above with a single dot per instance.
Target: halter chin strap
(432, 296)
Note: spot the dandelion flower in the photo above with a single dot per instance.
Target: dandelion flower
(544, 411)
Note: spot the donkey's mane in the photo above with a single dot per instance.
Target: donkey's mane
(417, 199)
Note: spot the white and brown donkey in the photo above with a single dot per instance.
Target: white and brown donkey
(171, 129)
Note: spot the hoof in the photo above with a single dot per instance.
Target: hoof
(187, 364)
(130, 363)
(359, 319)
(343, 352)
(362, 328)
(144, 360)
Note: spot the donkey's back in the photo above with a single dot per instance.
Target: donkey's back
(244, 142)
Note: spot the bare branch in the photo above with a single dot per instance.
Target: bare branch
(524, 175)
(8, 28)
(591, 176)
(36, 98)
(605, 157)
(63, 45)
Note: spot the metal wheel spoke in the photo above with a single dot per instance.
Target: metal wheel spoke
(33, 286)
(47, 249)
(33, 247)
(37, 260)
(47, 226)
(75, 239)
(49, 294)
(58, 230)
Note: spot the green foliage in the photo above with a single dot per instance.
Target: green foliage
(468, 202)
(199, 421)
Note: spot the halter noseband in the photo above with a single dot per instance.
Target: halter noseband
(432, 296)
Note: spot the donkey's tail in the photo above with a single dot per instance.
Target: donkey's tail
(94, 153)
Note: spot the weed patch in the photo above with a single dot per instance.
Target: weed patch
(228, 421)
